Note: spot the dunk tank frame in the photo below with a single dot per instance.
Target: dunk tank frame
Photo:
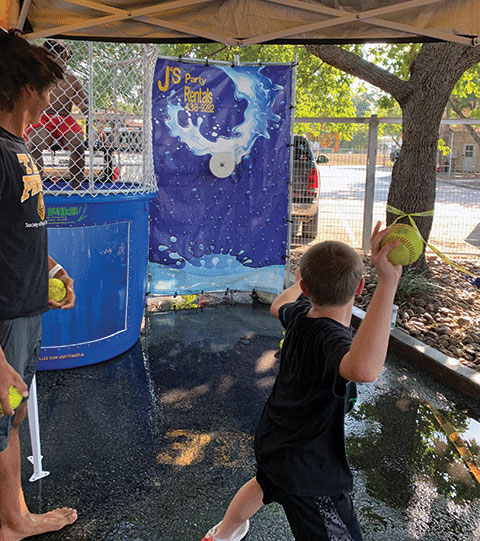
(99, 231)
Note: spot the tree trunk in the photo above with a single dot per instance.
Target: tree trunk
(434, 74)
(423, 99)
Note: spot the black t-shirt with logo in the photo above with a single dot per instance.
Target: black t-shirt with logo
(23, 232)
(300, 440)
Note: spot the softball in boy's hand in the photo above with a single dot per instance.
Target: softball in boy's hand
(15, 398)
(56, 290)
(410, 247)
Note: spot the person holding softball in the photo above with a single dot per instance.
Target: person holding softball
(27, 75)
(299, 441)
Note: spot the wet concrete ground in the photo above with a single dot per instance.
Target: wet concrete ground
(154, 449)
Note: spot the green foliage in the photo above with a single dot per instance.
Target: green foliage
(412, 285)
(387, 107)
(395, 58)
(185, 302)
(364, 100)
(467, 89)
(398, 60)
(116, 66)
(443, 148)
(320, 90)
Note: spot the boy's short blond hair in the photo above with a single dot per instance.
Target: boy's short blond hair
(331, 271)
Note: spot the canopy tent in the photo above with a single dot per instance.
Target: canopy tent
(246, 22)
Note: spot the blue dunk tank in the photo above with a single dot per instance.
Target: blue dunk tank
(220, 152)
(103, 243)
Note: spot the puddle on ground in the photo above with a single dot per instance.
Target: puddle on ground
(398, 442)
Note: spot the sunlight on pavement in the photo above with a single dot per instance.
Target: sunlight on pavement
(188, 447)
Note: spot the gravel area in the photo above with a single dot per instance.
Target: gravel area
(442, 310)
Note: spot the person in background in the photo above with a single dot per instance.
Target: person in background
(57, 126)
(105, 142)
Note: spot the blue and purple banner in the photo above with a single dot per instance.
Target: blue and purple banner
(221, 158)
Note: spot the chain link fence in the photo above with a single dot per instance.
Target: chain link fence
(95, 137)
(353, 189)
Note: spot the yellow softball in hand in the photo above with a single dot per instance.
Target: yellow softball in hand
(15, 398)
(56, 290)
(410, 247)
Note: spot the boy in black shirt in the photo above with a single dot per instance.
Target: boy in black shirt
(300, 442)
(27, 74)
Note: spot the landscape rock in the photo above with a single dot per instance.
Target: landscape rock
(446, 318)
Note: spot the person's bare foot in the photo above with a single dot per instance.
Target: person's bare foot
(33, 524)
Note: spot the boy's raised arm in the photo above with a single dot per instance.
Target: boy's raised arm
(365, 360)
(289, 295)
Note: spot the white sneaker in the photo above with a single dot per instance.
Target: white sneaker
(239, 534)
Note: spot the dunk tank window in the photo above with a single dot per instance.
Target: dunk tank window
(98, 262)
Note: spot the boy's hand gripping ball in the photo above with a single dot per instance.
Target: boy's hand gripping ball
(411, 244)
(15, 398)
(56, 290)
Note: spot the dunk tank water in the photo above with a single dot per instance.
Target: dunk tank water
(103, 244)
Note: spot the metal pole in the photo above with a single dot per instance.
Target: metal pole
(91, 132)
(370, 182)
(116, 129)
(450, 156)
(34, 425)
(290, 180)
(148, 178)
(147, 88)
(23, 14)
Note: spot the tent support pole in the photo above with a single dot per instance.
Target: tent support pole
(34, 425)
(290, 177)
(23, 14)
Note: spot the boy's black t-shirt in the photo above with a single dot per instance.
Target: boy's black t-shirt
(300, 442)
(23, 232)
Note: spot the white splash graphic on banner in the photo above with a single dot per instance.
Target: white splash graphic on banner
(250, 85)
(214, 272)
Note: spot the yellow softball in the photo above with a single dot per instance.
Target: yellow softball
(15, 398)
(56, 290)
(410, 247)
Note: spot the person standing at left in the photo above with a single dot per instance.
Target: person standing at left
(27, 75)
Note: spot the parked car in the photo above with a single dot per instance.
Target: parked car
(305, 191)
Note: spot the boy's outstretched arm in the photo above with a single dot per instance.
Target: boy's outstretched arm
(366, 358)
(289, 295)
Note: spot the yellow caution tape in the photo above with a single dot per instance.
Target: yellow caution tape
(459, 444)
(443, 257)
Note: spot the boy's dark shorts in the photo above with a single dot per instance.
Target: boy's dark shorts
(320, 518)
(20, 340)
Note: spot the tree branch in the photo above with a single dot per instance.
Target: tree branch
(470, 128)
(369, 72)
(216, 52)
(311, 74)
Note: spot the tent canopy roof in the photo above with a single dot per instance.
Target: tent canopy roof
(245, 22)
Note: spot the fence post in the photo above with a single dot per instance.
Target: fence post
(91, 132)
(370, 182)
